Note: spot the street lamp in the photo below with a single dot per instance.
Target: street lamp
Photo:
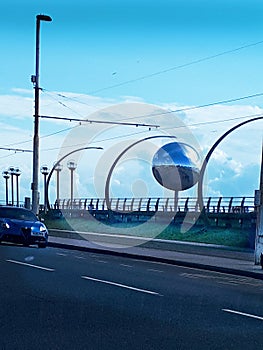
(6, 176)
(58, 169)
(35, 81)
(17, 173)
(11, 170)
(45, 171)
(71, 166)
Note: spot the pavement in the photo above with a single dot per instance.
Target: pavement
(194, 255)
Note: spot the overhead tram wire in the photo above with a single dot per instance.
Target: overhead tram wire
(198, 107)
(165, 71)
(166, 128)
(43, 136)
(192, 108)
(50, 94)
(215, 121)
(170, 69)
(9, 155)
(167, 112)
(207, 58)
(74, 99)
(160, 72)
(97, 141)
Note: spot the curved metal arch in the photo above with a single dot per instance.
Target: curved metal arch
(208, 156)
(60, 160)
(107, 185)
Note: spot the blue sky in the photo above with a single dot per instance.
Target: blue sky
(101, 53)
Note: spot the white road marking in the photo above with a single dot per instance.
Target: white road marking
(29, 258)
(125, 265)
(30, 265)
(79, 257)
(243, 314)
(94, 255)
(102, 261)
(61, 254)
(121, 285)
(154, 270)
(230, 283)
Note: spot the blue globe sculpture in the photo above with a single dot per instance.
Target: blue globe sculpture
(173, 167)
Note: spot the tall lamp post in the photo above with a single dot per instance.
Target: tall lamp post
(6, 176)
(45, 171)
(11, 170)
(72, 166)
(17, 174)
(35, 81)
(58, 168)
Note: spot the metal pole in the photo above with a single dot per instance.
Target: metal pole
(259, 227)
(12, 188)
(175, 201)
(45, 192)
(71, 189)
(34, 186)
(17, 191)
(58, 189)
(6, 175)
(44, 170)
(35, 80)
(6, 190)
(17, 174)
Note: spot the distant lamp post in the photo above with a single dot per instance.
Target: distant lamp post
(6, 176)
(58, 169)
(72, 167)
(17, 174)
(11, 170)
(35, 81)
(45, 171)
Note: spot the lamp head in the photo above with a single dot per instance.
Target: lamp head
(44, 18)
(44, 170)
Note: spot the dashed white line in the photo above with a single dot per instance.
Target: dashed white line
(30, 265)
(155, 270)
(102, 261)
(121, 285)
(243, 314)
(61, 254)
(125, 265)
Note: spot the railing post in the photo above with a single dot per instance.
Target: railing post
(230, 204)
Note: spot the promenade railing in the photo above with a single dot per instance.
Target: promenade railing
(158, 204)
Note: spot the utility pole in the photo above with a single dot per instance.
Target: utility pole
(35, 81)
(259, 226)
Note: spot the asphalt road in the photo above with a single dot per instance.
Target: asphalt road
(64, 299)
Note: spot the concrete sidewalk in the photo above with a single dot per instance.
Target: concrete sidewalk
(194, 255)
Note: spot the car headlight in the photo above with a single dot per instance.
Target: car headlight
(38, 229)
(42, 229)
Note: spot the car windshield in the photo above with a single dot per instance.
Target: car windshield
(17, 213)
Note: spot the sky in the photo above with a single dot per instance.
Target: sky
(149, 62)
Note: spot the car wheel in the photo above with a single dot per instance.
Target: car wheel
(42, 245)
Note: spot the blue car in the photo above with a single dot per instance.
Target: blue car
(21, 225)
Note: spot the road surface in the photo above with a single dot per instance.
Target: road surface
(63, 299)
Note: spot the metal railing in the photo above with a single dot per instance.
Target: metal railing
(155, 204)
